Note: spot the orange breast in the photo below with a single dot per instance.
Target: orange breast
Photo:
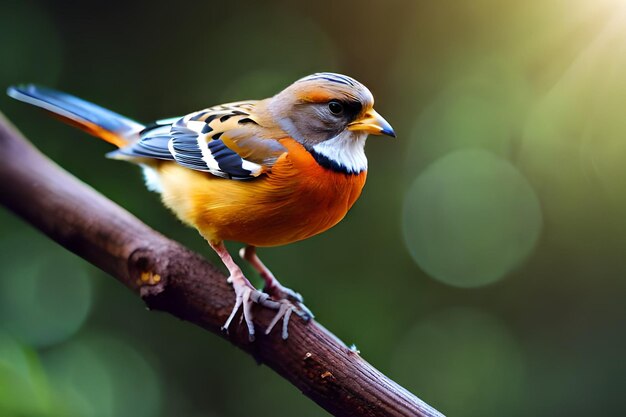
(296, 200)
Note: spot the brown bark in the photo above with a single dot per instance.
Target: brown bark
(95, 228)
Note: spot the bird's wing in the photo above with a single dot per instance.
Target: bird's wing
(222, 140)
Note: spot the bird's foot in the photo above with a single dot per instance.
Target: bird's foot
(246, 296)
(273, 287)
(278, 292)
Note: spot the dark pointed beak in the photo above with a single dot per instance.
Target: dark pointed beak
(372, 123)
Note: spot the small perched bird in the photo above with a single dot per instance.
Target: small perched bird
(264, 172)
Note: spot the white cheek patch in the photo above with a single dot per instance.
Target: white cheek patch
(347, 150)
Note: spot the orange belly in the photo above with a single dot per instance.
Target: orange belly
(296, 200)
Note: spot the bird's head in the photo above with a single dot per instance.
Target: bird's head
(330, 114)
(321, 106)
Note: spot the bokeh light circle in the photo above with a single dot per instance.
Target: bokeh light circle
(463, 362)
(101, 376)
(470, 218)
(46, 299)
(468, 114)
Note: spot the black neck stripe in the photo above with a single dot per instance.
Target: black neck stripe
(328, 163)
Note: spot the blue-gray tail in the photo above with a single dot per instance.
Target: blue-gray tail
(95, 120)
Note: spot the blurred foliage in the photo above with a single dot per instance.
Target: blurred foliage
(494, 223)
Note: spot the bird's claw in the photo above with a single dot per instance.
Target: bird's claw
(279, 292)
(246, 295)
(284, 312)
(303, 312)
(291, 295)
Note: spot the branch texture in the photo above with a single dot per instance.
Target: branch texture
(187, 286)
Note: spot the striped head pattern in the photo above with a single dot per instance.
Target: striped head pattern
(330, 115)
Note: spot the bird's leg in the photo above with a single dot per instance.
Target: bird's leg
(272, 286)
(247, 295)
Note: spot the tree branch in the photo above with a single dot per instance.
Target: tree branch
(95, 228)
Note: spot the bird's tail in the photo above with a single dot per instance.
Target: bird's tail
(95, 120)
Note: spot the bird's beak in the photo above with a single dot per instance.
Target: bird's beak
(372, 123)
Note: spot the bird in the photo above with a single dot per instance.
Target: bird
(260, 172)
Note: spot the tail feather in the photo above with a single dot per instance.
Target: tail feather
(95, 120)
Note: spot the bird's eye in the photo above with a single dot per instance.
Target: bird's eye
(335, 107)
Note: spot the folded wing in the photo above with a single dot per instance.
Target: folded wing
(223, 140)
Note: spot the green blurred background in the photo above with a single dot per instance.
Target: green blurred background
(483, 267)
